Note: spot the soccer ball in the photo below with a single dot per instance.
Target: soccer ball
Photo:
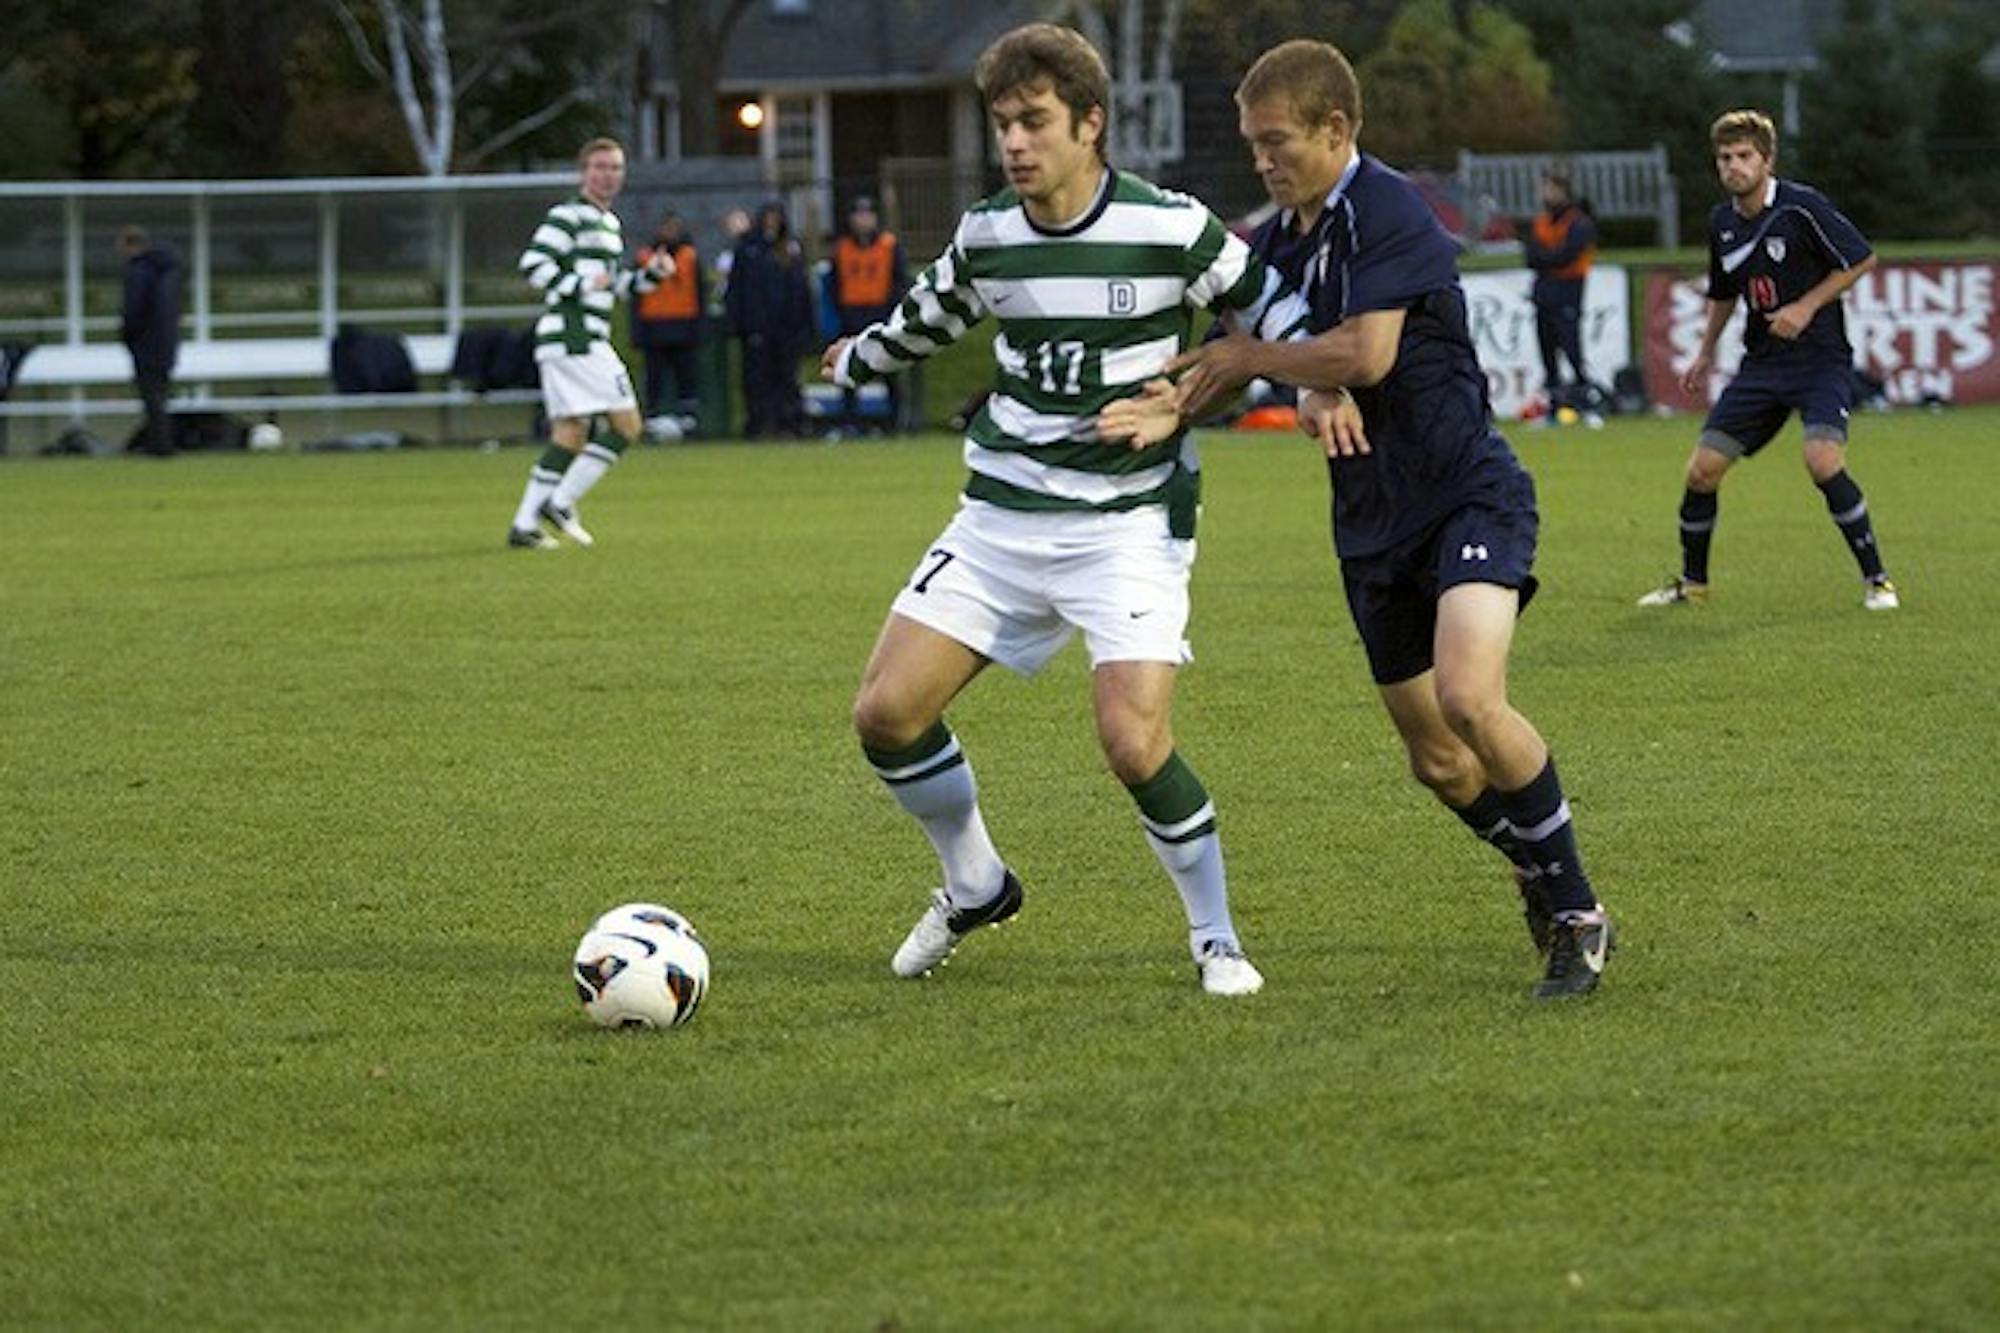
(640, 965)
(266, 436)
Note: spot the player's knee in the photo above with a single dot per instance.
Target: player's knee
(1824, 458)
(1705, 470)
(1442, 768)
(1134, 751)
(1470, 709)
(882, 721)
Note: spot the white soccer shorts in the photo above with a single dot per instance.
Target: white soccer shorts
(1014, 585)
(586, 384)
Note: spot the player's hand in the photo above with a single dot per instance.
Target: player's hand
(1147, 419)
(1212, 371)
(1789, 321)
(1694, 380)
(829, 360)
(1334, 419)
(600, 281)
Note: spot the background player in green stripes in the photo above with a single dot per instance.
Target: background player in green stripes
(1092, 275)
(576, 259)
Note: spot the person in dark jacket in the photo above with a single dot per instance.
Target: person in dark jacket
(151, 330)
(770, 308)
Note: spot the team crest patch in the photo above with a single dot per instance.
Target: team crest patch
(1775, 247)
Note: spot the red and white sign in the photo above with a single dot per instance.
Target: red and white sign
(1927, 331)
(1502, 318)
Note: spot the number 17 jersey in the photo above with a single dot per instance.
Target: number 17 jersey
(1088, 313)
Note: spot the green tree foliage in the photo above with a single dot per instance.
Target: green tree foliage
(1867, 115)
(243, 88)
(119, 77)
(1230, 34)
(1630, 74)
(1446, 80)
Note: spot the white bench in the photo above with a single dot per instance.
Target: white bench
(1638, 183)
(265, 362)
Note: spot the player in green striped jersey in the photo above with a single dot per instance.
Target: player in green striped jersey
(576, 260)
(1093, 275)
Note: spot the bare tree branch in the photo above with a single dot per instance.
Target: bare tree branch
(363, 49)
(526, 126)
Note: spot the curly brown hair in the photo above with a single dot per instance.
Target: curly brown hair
(1046, 54)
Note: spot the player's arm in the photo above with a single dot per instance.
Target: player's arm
(1258, 306)
(1694, 379)
(549, 262)
(642, 278)
(935, 313)
(1357, 352)
(1268, 321)
(1790, 320)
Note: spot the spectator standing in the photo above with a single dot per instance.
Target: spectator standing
(771, 309)
(1561, 245)
(868, 279)
(666, 324)
(150, 327)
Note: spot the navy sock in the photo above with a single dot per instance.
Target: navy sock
(1850, 515)
(1697, 530)
(1487, 818)
(1541, 824)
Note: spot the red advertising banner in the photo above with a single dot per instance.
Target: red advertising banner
(1929, 332)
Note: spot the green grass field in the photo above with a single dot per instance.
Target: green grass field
(310, 787)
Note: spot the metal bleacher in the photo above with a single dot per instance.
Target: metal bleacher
(1636, 184)
(274, 270)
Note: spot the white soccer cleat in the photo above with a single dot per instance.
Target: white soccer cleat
(944, 925)
(531, 539)
(563, 519)
(1880, 595)
(1677, 592)
(1225, 971)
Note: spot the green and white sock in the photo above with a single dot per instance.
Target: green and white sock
(543, 478)
(932, 780)
(1180, 824)
(604, 449)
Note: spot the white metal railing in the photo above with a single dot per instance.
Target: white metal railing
(1635, 183)
(444, 199)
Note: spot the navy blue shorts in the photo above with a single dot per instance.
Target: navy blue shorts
(1755, 405)
(1393, 595)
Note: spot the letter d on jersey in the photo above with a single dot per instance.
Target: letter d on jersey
(1124, 297)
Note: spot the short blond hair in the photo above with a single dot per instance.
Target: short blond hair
(1313, 76)
(1745, 126)
(601, 144)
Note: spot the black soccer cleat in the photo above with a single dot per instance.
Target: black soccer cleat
(1535, 910)
(1578, 950)
(530, 539)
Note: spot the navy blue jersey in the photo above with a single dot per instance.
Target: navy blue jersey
(1778, 256)
(1378, 246)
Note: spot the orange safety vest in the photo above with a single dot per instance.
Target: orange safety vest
(1550, 234)
(866, 271)
(675, 298)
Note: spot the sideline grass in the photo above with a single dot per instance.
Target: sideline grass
(310, 787)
